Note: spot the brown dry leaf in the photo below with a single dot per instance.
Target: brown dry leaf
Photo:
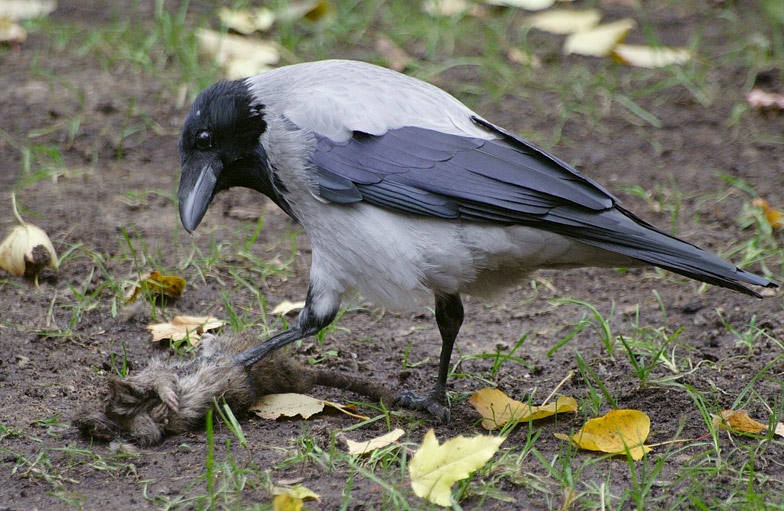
(434, 468)
(762, 100)
(184, 327)
(156, 284)
(649, 56)
(27, 249)
(614, 433)
(274, 406)
(286, 307)
(738, 420)
(497, 409)
(395, 57)
(600, 40)
(772, 215)
(246, 21)
(239, 56)
(374, 443)
(564, 21)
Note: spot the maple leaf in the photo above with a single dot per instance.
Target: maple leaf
(434, 468)
(614, 433)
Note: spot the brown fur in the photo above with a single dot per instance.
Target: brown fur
(172, 396)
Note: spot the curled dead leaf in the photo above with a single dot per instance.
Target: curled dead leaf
(156, 284)
(564, 21)
(180, 328)
(373, 444)
(738, 420)
(772, 215)
(27, 249)
(275, 406)
(649, 56)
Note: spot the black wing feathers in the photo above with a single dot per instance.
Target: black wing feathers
(503, 180)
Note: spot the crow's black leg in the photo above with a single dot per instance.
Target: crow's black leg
(449, 317)
(309, 322)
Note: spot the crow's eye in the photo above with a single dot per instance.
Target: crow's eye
(204, 139)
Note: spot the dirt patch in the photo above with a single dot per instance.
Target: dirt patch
(116, 182)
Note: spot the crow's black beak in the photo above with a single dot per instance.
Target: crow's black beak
(197, 188)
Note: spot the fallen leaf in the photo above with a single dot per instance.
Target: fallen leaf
(184, 327)
(434, 468)
(649, 56)
(27, 249)
(239, 56)
(246, 21)
(395, 57)
(738, 420)
(564, 21)
(16, 10)
(286, 502)
(762, 100)
(374, 443)
(614, 433)
(497, 409)
(772, 215)
(297, 491)
(274, 406)
(529, 5)
(312, 10)
(11, 31)
(779, 429)
(524, 58)
(286, 306)
(445, 7)
(600, 40)
(156, 284)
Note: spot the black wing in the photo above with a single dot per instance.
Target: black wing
(504, 180)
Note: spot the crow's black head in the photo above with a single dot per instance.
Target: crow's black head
(219, 147)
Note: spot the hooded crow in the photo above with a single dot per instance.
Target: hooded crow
(405, 193)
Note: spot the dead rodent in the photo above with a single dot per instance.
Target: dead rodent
(172, 396)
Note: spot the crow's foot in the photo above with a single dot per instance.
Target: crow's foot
(433, 401)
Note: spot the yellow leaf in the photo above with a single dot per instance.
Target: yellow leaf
(286, 306)
(649, 56)
(27, 249)
(600, 40)
(312, 10)
(246, 21)
(529, 5)
(156, 284)
(374, 443)
(11, 31)
(286, 502)
(434, 468)
(497, 409)
(297, 491)
(239, 56)
(738, 420)
(614, 433)
(564, 21)
(274, 406)
(184, 327)
(772, 215)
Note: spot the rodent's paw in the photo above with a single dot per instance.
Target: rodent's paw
(168, 390)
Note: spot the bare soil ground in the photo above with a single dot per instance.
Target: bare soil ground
(60, 340)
